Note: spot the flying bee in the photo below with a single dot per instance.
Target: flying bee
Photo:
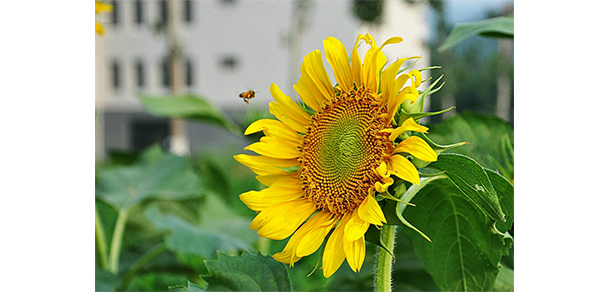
(247, 95)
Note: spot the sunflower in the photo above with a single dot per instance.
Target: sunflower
(101, 7)
(324, 162)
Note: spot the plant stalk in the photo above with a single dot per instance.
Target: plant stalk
(141, 262)
(117, 238)
(100, 241)
(383, 260)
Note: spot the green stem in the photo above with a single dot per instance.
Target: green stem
(141, 262)
(117, 238)
(383, 260)
(100, 240)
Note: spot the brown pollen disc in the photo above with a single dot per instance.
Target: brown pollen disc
(341, 149)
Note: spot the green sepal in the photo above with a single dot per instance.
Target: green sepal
(438, 149)
(290, 169)
(418, 105)
(393, 210)
(386, 195)
(403, 115)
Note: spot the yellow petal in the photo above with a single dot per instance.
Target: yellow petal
(356, 63)
(388, 80)
(271, 196)
(309, 93)
(417, 147)
(314, 67)
(290, 255)
(334, 254)
(263, 165)
(269, 180)
(408, 125)
(416, 77)
(99, 28)
(354, 252)
(355, 228)
(282, 115)
(102, 7)
(287, 111)
(409, 92)
(404, 169)
(281, 220)
(392, 40)
(370, 211)
(274, 147)
(314, 237)
(273, 128)
(336, 55)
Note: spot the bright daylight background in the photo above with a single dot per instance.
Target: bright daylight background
(217, 49)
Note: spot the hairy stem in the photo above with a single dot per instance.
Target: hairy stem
(117, 238)
(383, 260)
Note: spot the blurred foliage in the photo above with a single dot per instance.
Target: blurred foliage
(497, 27)
(368, 11)
(471, 66)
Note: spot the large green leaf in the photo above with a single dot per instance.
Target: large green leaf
(187, 107)
(246, 273)
(505, 191)
(156, 175)
(185, 237)
(490, 139)
(500, 27)
(472, 180)
(464, 253)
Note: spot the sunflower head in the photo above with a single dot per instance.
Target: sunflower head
(324, 166)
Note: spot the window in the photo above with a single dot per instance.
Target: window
(188, 14)
(188, 66)
(140, 74)
(139, 11)
(166, 72)
(163, 11)
(229, 62)
(116, 10)
(116, 74)
(147, 132)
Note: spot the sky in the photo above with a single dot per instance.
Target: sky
(471, 10)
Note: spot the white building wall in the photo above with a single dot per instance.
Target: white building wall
(254, 32)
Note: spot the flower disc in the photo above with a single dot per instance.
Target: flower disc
(341, 149)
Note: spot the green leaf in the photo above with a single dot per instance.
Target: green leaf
(189, 107)
(105, 281)
(246, 273)
(498, 27)
(156, 175)
(490, 139)
(472, 180)
(190, 287)
(506, 192)
(463, 254)
(184, 237)
(505, 281)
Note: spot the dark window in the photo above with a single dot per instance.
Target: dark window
(116, 10)
(140, 74)
(139, 10)
(166, 72)
(229, 62)
(146, 132)
(188, 66)
(188, 14)
(227, 1)
(163, 9)
(116, 74)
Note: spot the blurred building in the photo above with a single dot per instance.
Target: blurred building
(227, 46)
